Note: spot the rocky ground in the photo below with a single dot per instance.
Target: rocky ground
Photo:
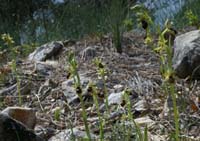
(45, 86)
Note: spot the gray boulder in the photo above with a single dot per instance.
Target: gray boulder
(115, 98)
(46, 51)
(88, 53)
(186, 59)
(12, 130)
(27, 116)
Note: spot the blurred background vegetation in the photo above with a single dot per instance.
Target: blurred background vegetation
(40, 21)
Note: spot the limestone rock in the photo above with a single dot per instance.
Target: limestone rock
(26, 116)
(115, 98)
(46, 51)
(69, 90)
(45, 68)
(144, 121)
(69, 42)
(12, 130)
(141, 105)
(88, 53)
(186, 59)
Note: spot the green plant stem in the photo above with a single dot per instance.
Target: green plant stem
(84, 115)
(77, 82)
(176, 113)
(99, 115)
(72, 130)
(106, 93)
(139, 132)
(117, 38)
(146, 134)
(78, 78)
(128, 103)
(169, 89)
